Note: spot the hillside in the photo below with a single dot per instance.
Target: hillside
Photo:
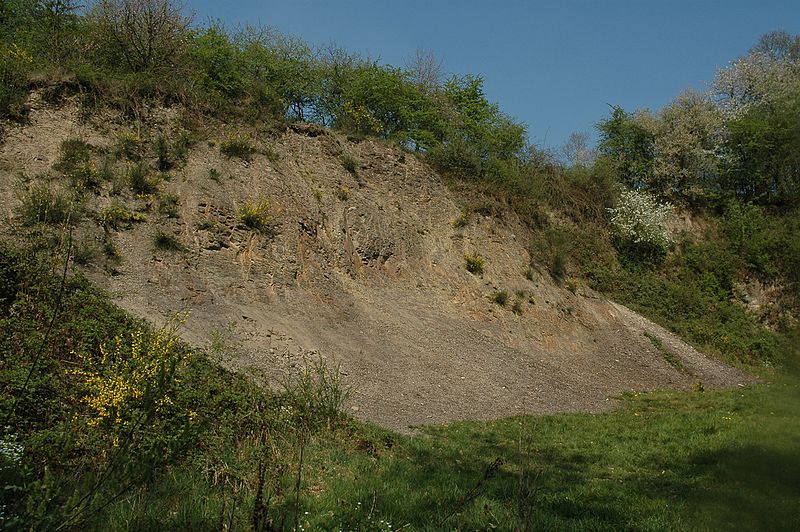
(365, 268)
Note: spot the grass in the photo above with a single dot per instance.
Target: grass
(474, 264)
(40, 203)
(350, 163)
(500, 297)
(236, 146)
(141, 181)
(666, 354)
(717, 460)
(166, 242)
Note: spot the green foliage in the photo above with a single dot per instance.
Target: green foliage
(255, 214)
(629, 146)
(236, 146)
(15, 65)
(116, 216)
(41, 203)
(168, 205)
(75, 161)
(164, 241)
(474, 264)
(141, 181)
(350, 164)
(500, 297)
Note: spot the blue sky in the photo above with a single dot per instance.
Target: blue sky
(552, 65)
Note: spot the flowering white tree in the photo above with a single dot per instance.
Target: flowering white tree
(639, 218)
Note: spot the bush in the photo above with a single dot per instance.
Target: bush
(168, 205)
(140, 180)
(166, 242)
(501, 298)
(474, 264)
(41, 204)
(236, 146)
(15, 64)
(255, 214)
(116, 215)
(350, 163)
(641, 220)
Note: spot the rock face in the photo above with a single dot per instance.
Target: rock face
(366, 270)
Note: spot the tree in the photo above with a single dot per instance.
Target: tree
(424, 70)
(628, 141)
(141, 35)
(576, 150)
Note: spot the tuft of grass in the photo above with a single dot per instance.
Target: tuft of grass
(255, 214)
(500, 298)
(40, 203)
(128, 146)
(528, 273)
(350, 163)
(236, 146)
(516, 307)
(558, 266)
(166, 242)
(141, 181)
(474, 264)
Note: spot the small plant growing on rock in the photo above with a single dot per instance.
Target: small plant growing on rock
(460, 221)
(42, 204)
(474, 264)
(255, 214)
(116, 215)
(128, 147)
(516, 308)
(166, 242)
(350, 163)
(168, 205)
(500, 298)
(140, 180)
(343, 193)
(236, 146)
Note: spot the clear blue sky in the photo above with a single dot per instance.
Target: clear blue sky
(553, 65)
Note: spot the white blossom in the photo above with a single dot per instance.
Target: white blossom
(640, 218)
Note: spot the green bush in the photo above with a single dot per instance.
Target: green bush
(500, 298)
(40, 203)
(474, 264)
(117, 215)
(15, 65)
(166, 242)
(141, 181)
(255, 214)
(236, 146)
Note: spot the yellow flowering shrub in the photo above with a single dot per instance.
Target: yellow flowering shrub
(134, 373)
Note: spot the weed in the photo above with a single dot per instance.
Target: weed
(166, 242)
(350, 163)
(528, 273)
(41, 204)
(255, 214)
(474, 264)
(462, 220)
(140, 180)
(129, 147)
(571, 284)
(163, 158)
(500, 298)
(84, 253)
(236, 146)
(516, 307)
(666, 354)
(207, 224)
(343, 193)
(213, 174)
(558, 266)
(168, 205)
(117, 215)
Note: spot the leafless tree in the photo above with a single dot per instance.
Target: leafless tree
(425, 69)
(576, 149)
(144, 34)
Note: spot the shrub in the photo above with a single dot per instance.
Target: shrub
(166, 242)
(516, 308)
(501, 298)
(140, 180)
(558, 266)
(41, 204)
(350, 163)
(75, 161)
(255, 214)
(474, 264)
(129, 147)
(168, 205)
(640, 219)
(236, 146)
(116, 215)
(15, 63)
(343, 193)
(462, 220)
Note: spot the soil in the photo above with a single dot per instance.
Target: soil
(365, 270)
